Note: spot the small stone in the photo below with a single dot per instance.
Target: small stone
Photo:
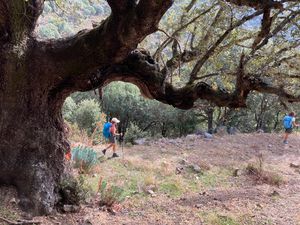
(141, 141)
(259, 205)
(233, 131)
(71, 208)
(294, 165)
(237, 172)
(195, 168)
(87, 221)
(221, 131)
(191, 137)
(208, 135)
(199, 132)
(198, 206)
(14, 201)
(183, 162)
(274, 194)
(151, 192)
(111, 211)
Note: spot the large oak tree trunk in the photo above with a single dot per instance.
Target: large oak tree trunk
(31, 133)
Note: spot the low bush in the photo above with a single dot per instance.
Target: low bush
(85, 158)
(133, 133)
(109, 195)
(261, 176)
(73, 191)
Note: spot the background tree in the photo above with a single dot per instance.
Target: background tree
(36, 76)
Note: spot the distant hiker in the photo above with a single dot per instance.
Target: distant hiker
(289, 122)
(110, 133)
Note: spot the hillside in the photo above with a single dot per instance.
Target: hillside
(198, 181)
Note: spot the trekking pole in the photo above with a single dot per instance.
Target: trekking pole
(122, 145)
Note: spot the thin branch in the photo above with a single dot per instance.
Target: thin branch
(276, 30)
(169, 40)
(211, 50)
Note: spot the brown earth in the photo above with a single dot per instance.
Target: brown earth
(216, 197)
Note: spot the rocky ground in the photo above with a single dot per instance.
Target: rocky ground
(195, 180)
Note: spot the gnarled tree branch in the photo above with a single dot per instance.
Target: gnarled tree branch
(140, 69)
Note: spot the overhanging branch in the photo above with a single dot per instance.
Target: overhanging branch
(140, 69)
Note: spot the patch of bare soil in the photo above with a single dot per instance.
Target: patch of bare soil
(223, 198)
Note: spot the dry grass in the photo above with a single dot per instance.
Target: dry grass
(259, 175)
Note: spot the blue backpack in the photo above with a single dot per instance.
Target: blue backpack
(288, 122)
(106, 129)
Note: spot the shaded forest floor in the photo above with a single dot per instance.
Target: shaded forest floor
(198, 181)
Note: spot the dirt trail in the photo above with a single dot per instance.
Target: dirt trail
(220, 199)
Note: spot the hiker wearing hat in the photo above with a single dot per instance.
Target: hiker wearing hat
(110, 132)
(289, 122)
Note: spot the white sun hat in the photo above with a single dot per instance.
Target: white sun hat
(115, 120)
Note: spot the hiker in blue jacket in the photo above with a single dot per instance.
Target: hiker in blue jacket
(289, 122)
(110, 133)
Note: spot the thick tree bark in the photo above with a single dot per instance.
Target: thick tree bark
(31, 133)
(210, 119)
(35, 79)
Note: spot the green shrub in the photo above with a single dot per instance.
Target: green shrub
(133, 133)
(73, 191)
(87, 114)
(85, 158)
(110, 195)
(49, 31)
(68, 110)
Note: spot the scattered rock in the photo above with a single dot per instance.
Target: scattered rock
(191, 137)
(237, 172)
(221, 131)
(151, 192)
(14, 201)
(71, 208)
(86, 221)
(294, 165)
(259, 205)
(260, 131)
(233, 131)
(183, 162)
(195, 168)
(274, 194)
(208, 135)
(141, 141)
(111, 211)
(199, 132)
(198, 206)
